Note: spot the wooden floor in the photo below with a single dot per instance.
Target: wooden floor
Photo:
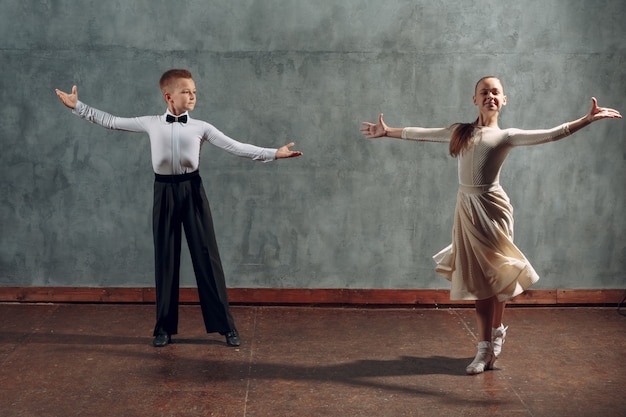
(97, 360)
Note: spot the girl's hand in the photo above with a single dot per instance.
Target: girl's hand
(372, 131)
(597, 113)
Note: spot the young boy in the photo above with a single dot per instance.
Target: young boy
(179, 198)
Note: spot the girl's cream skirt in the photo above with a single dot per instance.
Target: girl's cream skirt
(482, 260)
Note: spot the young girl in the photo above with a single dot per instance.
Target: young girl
(482, 262)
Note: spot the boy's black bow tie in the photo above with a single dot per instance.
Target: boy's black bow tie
(171, 119)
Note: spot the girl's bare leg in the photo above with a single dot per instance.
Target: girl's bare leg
(498, 312)
(485, 310)
(498, 330)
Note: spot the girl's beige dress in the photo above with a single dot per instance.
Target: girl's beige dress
(482, 261)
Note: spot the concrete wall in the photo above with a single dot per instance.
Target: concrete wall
(75, 199)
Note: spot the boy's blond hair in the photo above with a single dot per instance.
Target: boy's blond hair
(172, 75)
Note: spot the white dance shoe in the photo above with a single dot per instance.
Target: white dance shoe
(497, 339)
(483, 361)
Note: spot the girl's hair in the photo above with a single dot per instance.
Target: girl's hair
(462, 134)
(171, 75)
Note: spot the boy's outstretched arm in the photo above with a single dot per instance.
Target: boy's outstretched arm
(69, 100)
(285, 152)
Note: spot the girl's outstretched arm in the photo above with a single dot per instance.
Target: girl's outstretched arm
(69, 100)
(380, 129)
(595, 113)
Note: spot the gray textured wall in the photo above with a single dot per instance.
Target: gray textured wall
(75, 199)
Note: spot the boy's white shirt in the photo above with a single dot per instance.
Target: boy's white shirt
(175, 147)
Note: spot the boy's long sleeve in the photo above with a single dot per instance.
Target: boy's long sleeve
(175, 147)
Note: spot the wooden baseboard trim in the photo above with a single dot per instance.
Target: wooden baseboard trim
(305, 296)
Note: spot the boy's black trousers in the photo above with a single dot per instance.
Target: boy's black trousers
(180, 200)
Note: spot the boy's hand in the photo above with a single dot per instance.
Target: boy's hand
(285, 152)
(69, 100)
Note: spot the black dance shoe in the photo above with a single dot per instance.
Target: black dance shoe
(161, 340)
(232, 338)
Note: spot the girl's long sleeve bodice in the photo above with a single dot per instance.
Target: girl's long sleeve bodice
(481, 162)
